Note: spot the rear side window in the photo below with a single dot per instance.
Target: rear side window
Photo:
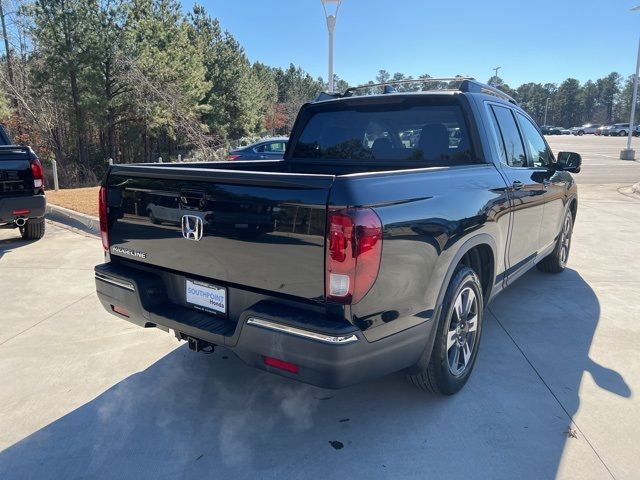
(510, 137)
(275, 147)
(428, 135)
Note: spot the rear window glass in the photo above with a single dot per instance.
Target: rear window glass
(424, 134)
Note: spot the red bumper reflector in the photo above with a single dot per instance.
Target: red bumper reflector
(281, 364)
(120, 310)
(24, 211)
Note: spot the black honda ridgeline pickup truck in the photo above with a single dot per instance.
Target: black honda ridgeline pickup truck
(373, 247)
(22, 200)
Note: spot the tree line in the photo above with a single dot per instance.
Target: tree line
(606, 100)
(133, 80)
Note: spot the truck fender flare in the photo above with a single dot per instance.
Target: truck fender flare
(480, 239)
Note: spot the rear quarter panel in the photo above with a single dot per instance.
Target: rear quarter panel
(441, 210)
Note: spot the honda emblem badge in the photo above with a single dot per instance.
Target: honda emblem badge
(192, 227)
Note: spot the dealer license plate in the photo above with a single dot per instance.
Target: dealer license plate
(204, 296)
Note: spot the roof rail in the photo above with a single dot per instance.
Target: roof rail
(473, 86)
(465, 84)
(350, 91)
(322, 96)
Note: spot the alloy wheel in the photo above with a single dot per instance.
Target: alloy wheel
(565, 240)
(463, 330)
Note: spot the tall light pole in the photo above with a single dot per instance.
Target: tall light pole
(495, 74)
(331, 8)
(628, 153)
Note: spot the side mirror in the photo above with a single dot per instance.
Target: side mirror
(569, 162)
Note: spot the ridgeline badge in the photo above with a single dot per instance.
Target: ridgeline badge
(128, 251)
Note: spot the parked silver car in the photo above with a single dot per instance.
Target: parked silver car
(587, 129)
(619, 130)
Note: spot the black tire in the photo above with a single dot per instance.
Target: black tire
(33, 229)
(622, 133)
(556, 261)
(438, 377)
(580, 133)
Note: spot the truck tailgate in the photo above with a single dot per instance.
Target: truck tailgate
(15, 171)
(250, 229)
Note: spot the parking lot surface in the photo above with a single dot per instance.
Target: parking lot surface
(554, 392)
(601, 157)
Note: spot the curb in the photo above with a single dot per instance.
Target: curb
(81, 221)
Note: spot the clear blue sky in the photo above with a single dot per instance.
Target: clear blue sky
(532, 40)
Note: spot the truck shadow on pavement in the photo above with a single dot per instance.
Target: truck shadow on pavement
(190, 415)
(13, 242)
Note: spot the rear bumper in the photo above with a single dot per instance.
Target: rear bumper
(35, 204)
(327, 353)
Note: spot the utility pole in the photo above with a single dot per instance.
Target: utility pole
(495, 70)
(332, 17)
(628, 153)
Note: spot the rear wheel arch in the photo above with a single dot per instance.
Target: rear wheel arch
(482, 245)
(481, 260)
(478, 253)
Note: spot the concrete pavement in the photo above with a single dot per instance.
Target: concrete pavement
(85, 395)
(601, 158)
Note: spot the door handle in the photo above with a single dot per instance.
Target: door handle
(517, 185)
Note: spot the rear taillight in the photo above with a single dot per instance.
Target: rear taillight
(354, 250)
(102, 211)
(38, 173)
(233, 156)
